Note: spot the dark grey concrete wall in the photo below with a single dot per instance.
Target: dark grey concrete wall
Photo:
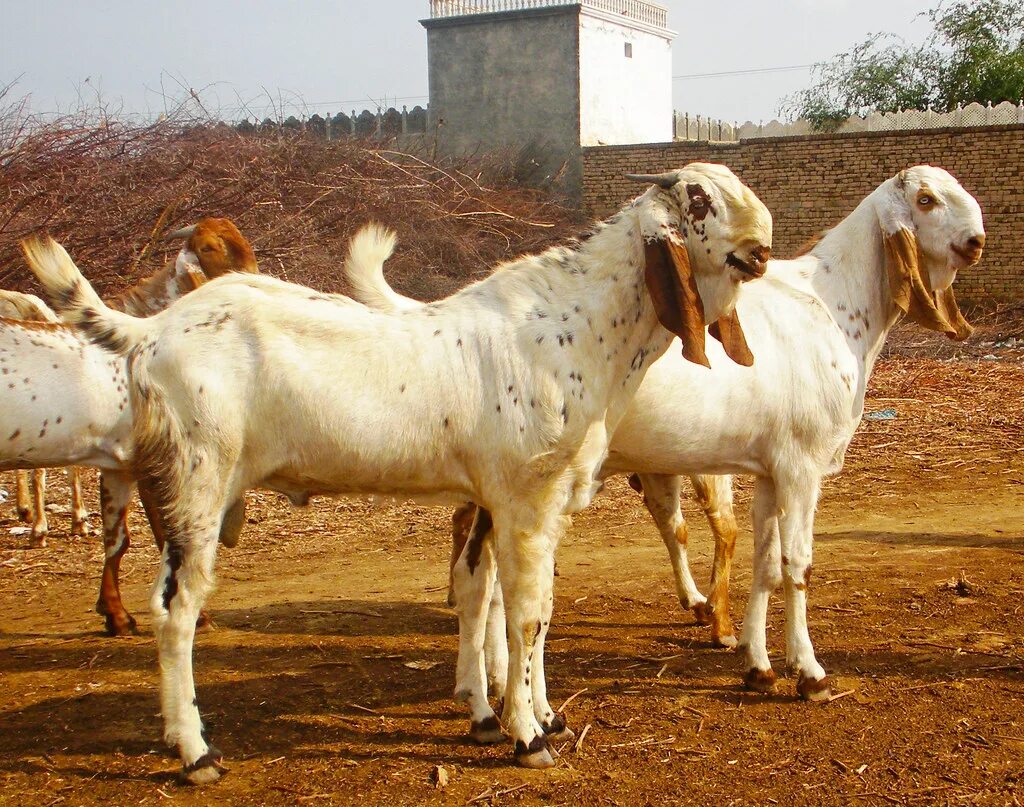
(509, 80)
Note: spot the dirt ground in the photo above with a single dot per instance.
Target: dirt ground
(327, 675)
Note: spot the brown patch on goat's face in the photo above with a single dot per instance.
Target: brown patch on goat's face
(700, 202)
(221, 248)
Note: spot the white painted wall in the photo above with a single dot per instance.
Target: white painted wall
(623, 100)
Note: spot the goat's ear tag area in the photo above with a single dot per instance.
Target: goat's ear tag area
(729, 332)
(673, 290)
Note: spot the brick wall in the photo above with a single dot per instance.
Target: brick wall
(809, 183)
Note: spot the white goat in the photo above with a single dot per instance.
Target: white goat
(503, 393)
(64, 401)
(819, 323)
(32, 507)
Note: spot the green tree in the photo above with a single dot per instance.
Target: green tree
(975, 52)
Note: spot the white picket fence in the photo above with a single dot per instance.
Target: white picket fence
(695, 127)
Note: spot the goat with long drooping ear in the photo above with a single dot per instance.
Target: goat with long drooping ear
(823, 319)
(504, 393)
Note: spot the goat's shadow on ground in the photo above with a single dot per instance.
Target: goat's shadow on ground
(1010, 542)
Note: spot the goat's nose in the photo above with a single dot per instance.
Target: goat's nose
(976, 242)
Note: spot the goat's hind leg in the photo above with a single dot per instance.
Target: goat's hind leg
(79, 512)
(182, 585)
(23, 499)
(115, 498)
(715, 496)
(40, 526)
(661, 497)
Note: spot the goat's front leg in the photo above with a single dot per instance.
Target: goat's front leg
(661, 497)
(753, 638)
(472, 589)
(553, 724)
(526, 560)
(40, 527)
(115, 498)
(715, 496)
(79, 513)
(796, 528)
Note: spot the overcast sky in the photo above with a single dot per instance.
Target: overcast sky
(331, 55)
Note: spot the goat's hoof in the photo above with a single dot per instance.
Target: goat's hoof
(37, 541)
(205, 770)
(729, 641)
(814, 691)
(120, 624)
(82, 529)
(487, 731)
(760, 680)
(535, 755)
(702, 612)
(557, 732)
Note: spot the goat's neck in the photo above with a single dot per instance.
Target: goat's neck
(850, 278)
(591, 309)
(154, 293)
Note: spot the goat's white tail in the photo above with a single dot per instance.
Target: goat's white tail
(364, 268)
(76, 300)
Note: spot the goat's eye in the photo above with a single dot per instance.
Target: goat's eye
(924, 200)
(206, 248)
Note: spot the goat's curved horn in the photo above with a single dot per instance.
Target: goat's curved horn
(666, 180)
(184, 232)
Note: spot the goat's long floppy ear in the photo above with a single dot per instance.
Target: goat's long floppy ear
(937, 311)
(728, 331)
(673, 289)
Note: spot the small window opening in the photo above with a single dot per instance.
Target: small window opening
(629, 50)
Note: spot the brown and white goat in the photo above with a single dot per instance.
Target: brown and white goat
(66, 402)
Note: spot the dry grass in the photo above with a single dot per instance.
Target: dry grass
(110, 190)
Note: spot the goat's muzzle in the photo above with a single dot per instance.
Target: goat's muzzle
(754, 266)
(970, 250)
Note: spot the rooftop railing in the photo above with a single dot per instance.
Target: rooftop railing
(637, 10)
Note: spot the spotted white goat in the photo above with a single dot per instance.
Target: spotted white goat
(819, 323)
(503, 393)
(32, 506)
(65, 400)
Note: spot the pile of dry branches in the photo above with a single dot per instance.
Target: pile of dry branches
(110, 190)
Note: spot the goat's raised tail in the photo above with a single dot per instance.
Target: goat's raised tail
(364, 268)
(76, 300)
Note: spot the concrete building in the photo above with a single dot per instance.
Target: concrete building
(547, 77)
